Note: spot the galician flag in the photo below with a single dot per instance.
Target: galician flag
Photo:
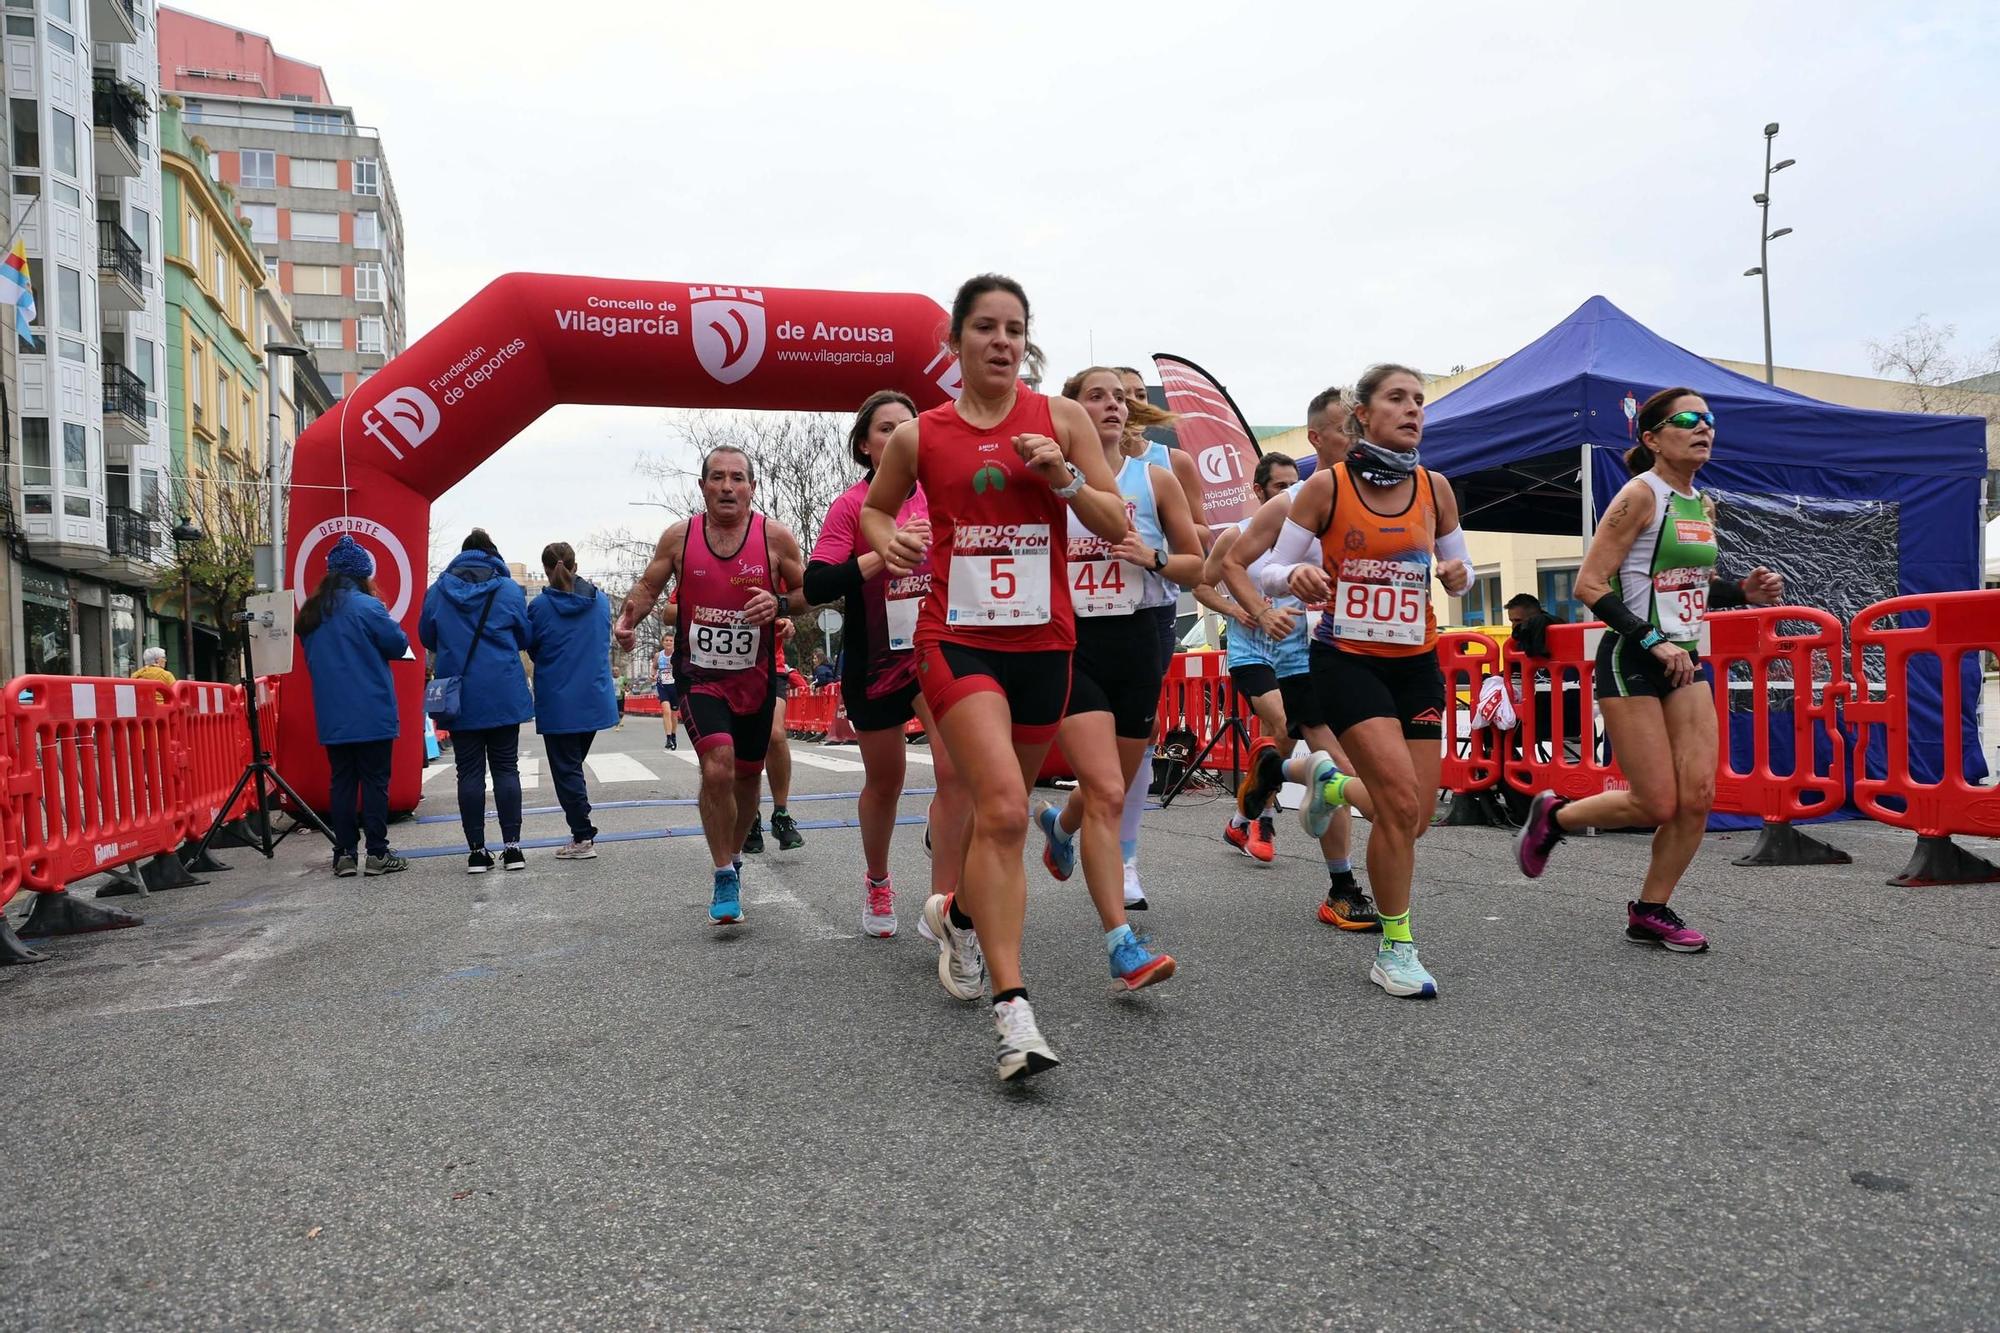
(16, 291)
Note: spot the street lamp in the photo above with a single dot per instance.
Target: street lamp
(1764, 238)
(276, 467)
(185, 533)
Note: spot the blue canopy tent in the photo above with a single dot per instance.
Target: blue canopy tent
(1850, 505)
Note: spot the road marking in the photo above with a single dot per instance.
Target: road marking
(436, 772)
(814, 759)
(615, 767)
(531, 774)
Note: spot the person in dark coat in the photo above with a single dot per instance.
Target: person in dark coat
(575, 698)
(350, 639)
(493, 693)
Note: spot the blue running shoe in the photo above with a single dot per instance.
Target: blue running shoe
(1058, 852)
(727, 908)
(1323, 794)
(1397, 971)
(1136, 965)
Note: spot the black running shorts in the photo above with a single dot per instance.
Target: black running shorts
(1352, 688)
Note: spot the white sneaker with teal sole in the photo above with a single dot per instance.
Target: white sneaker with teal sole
(1397, 971)
(1316, 812)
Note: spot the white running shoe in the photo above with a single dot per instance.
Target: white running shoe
(1135, 894)
(878, 913)
(961, 966)
(1023, 1051)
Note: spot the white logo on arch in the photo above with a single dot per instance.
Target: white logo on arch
(1218, 464)
(728, 330)
(365, 531)
(407, 413)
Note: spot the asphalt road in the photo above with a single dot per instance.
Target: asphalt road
(559, 1099)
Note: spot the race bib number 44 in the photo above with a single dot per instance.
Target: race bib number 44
(1381, 601)
(1100, 584)
(1681, 598)
(999, 575)
(724, 647)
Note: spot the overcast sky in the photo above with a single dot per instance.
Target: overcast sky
(1282, 193)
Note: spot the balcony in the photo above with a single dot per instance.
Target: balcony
(121, 268)
(131, 541)
(125, 423)
(117, 111)
(113, 21)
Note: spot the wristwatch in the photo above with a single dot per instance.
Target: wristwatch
(1159, 559)
(1075, 484)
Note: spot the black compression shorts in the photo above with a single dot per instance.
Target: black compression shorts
(710, 722)
(1352, 688)
(1118, 672)
(1035, 684)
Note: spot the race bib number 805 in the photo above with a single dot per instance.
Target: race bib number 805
(1382, 601)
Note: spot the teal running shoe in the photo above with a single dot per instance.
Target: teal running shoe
(1323, 794)
(727, 907)
(1135, 964)
(1058, 852)
(1397, 971)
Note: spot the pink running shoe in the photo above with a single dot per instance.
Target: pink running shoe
(878, 918)
(1539, 834)
(1655, 923)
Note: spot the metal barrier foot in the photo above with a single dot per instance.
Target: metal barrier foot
(12, 951)
(67, 914)
(1942, 861)
(1780, 844)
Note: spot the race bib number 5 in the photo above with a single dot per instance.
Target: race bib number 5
(1381, 601)
(1681, 596)
(1000, 575)
(724, 647)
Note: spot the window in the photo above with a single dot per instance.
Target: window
(60, 9)
(60, 39)
(221, 288)
(69, 293)
(368, 282)
(190, 236)
(76, 456)
(315, 173)
(242, 305)
(316, 122)
(315, 280)
(142, 363)
(118, 487)
(36, 469)
(368, 231)
(315, 226)
(1483, 604)
(26, 115)
(368, 334)
(69, 194)
(62, 135)
(367, 176)
(260, 168)
(191, 113)
(320, 332)
(149, 493)
(142, 234)
(1557, 589)
(263, 222)
(76, 506)
(40, 288)
(271, 268)
(194, 378)
(20, 27)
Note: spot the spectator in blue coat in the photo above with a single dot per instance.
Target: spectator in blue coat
(575, 697)
(350, 640)
(494, 699)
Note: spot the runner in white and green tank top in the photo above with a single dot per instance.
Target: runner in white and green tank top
(1663, 579)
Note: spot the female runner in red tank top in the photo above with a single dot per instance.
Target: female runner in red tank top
(879, 668)
(1000, 469)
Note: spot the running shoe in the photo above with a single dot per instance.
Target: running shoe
(1324, 790)
(878, 915)
(513, 858)
(479, 862)
(1252, 839)
(1348, 907)
(753, 842)
(726, 908)
(388, 863)
(673, 743)
(1058, 853)
(1656, 923)
(1023, 1051)
(1264, 842)
(961, 966)
(1135, 964)
(1260, 786)
(1397, 971)
(787, 832)
(345, 866)
(579, 849)
(1135, 893)
(1539, 834)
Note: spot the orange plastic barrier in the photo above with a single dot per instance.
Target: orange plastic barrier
(1955, 624)
(1473, 757)
(92, 777)
(1198, 697)
(1792, 656)
(1557, 747)
(810, 712)
(216, 736)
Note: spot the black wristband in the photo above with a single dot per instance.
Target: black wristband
(1725, 596)
(1611, 609)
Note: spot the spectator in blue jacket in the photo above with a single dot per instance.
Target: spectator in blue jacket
(493, 695)
(350, 640)
(575, 697)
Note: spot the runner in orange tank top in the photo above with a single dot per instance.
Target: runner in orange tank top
(1361, 543)
(1001, 470)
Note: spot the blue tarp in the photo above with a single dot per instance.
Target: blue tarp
(1823, 493)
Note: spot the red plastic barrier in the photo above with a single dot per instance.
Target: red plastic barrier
(644, 705)
(1784, 660)
(1558, 743)
(810, 712)
(1197, 696)
(92, 777)
(1473, 757)
(1958, 623)
(839, 731)
(216, 739)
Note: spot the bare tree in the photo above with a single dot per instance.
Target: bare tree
(617, 557)
(1924, 357)
(220, 569)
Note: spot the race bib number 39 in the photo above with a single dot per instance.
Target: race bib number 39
(1681, 597)
(999, 575)
(1381, 601)
(724, 647)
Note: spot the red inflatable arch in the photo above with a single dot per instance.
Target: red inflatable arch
(528, 342)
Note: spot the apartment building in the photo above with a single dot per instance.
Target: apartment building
(87, 457)
(313, 182)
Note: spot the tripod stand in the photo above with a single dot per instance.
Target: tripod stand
(1231, 726)
(259, 770)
